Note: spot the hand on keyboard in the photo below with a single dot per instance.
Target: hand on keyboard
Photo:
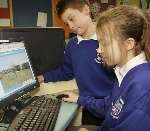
(70, 96)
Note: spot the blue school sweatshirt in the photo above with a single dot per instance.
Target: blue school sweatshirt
(80, 63)
(128, 108)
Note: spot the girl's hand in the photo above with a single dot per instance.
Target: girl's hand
(72, 97)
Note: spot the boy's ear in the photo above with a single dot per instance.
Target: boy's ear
(129, 44)
(86, 10)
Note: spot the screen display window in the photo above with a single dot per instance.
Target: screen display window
(16, 73)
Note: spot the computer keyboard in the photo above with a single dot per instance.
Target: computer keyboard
(40, 115)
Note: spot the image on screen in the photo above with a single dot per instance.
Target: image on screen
(15, 69)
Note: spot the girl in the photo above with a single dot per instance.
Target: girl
(125, 37)
(124, 33)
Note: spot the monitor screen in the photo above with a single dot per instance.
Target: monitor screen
(45, 45)
(16, 74)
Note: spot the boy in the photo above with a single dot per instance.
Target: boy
(80, 58)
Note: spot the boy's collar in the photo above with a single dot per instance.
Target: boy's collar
(93, 37)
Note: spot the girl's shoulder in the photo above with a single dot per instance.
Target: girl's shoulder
(136, 83)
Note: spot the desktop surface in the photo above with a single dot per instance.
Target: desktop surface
(66, 114)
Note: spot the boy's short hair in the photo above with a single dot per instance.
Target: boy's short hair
(62, 5)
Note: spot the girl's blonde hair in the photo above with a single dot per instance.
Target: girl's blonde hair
(125, 22)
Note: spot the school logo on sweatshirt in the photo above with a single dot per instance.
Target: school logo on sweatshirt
(98, 59)
(116, 108)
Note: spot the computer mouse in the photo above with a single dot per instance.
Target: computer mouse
(60, 96)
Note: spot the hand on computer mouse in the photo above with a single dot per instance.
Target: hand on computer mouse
(60, 96)
(70, 96)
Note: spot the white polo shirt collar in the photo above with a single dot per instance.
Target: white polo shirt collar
(122, 71)
(93, 37)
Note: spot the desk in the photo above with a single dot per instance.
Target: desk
(67, 110)
(55, 87)
(66, 114)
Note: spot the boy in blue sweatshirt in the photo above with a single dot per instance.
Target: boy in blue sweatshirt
(124, 33)
(80, 58)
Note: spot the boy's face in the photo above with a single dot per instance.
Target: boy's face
(77, 21)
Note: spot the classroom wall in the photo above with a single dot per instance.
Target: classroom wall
(25, 12)
(56, 20)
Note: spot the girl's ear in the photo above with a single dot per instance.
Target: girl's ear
(129, 44)
(86, 10)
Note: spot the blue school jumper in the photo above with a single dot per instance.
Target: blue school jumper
(80, 63)
(128, 109)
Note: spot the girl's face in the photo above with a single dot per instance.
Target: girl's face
(110, 53)
(77, 21)
(110, 49)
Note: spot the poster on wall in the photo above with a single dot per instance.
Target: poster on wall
(42, 19)
(97, 6)
(3, 4)
(5, 20)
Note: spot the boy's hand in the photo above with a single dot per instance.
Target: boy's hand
(40, 78)
(72, 97)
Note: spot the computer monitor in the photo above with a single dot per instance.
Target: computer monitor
(45, 45)
(16, 74)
